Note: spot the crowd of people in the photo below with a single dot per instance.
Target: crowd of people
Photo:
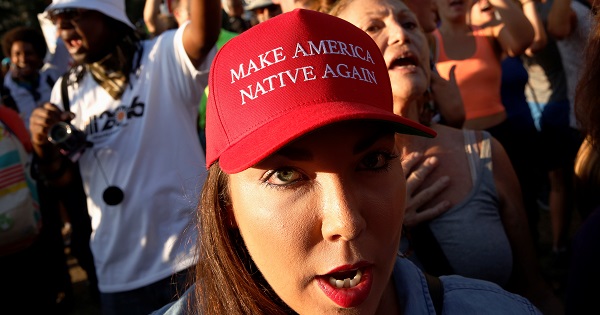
(305, 156)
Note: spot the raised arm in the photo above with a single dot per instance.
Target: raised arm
(540, 39)
(203, 31)
(561, 19)
(515, 33)
(151, 10)
(233, 7)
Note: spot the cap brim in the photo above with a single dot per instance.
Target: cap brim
(272, 136)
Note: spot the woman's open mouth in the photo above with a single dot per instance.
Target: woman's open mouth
(347, 279)
(347, 287)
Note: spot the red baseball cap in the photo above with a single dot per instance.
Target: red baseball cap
(290, 75)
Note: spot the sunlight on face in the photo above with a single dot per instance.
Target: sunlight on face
(426, 13)
(482, 12)
(25, 62)
(402, 42)
(453, 10)
(326, 207)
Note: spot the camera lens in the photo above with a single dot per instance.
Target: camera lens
(59, 133)
(70, 141)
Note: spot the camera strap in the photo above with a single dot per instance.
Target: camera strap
(64, 92)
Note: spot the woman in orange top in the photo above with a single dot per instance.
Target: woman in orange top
(476, 52)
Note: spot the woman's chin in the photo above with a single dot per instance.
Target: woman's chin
(408, 91)
(409, 82)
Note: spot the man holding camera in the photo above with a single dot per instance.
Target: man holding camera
(141, 162)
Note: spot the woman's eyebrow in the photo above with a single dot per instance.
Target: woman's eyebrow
(368, 142)
(295, 154)
(377, 11)
(299, 154)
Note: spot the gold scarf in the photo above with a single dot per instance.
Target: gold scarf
(112, 72)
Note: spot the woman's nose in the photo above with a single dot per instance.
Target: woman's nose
(341, 210)
(397, 34)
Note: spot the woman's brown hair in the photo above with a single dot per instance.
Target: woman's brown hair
(587, 111)
(227, 281)
(587, 97)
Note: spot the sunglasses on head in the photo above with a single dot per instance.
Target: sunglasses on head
(66, 14)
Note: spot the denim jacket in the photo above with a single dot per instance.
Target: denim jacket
(462, 296)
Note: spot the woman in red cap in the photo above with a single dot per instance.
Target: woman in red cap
(302, 209)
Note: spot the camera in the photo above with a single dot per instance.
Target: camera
(70, 140)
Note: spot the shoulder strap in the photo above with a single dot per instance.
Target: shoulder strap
(436, 291)
(486, 145)
(64, 92)
(472, 151)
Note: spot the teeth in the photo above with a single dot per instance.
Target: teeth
(346, 283)
(355, 280)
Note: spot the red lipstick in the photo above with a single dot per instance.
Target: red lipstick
(353, 284)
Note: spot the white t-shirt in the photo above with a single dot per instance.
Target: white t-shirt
(146, 143)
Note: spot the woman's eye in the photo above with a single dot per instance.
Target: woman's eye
(373, 28)
(377, 160)
(283, 177)
(410, 25)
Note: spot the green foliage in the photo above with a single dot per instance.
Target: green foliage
(17, 13)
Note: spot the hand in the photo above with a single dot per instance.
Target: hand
(414, 215)
(40, 122)
(446, 96)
